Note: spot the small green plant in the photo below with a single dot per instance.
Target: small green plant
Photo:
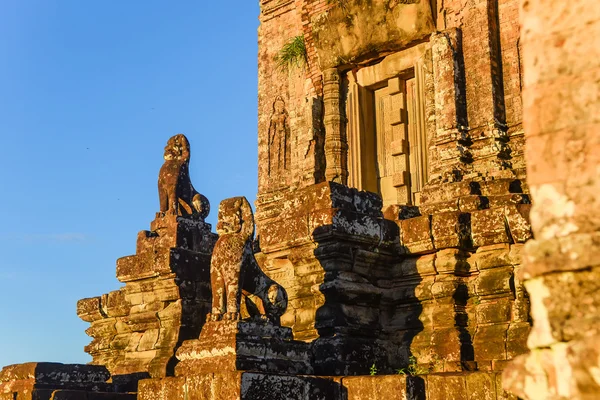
(292, 54)
(373, 370)
(413, 368)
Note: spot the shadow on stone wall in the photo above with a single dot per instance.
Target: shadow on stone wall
(461, 318)
(371, 312)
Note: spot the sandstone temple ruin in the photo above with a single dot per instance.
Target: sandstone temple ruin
(426, 223)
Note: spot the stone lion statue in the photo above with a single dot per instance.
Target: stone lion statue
(175, 191)
(234, 272)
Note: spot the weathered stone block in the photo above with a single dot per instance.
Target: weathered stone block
(538, 373)
(443, 315)
(43, 381)
(396, 212)
(416, 235)
(98, 344)
(423, 290)
(494, 281)
(517, 219)
(489, 342)
(573, 310)
(375, 387)
(494, 311)
(255, 386)
(162, 389)
(105, 327)
(242, 345)
(409, 316)
(570, 253)
(440, 207)
(164, 261)
(452, 261)
(143, 308)
(416, 388)
(508, 200)
(499, 187)
(335, 39)
(515, 254)
(467, 204)
(487, 257)
(348, 355)
(375, 265)
(419, 344)
(89, 309)
(445, 342)
(87, 395)
(481, 386)
(120, 341)
(357, 226)
(293, 231)
(516, 339)
(334, 256)
(451, 229)
(227, 385)
(521, 305)
(449, 387)
(349, 289)
(488, 227)
(422, 266)
(448, 191)
(445, 288)
(55, 373)
(199, 387)
(148, 340)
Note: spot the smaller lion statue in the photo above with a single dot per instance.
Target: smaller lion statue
(234, 272)
(175, 191)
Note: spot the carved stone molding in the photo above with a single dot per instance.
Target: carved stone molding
(336, 146)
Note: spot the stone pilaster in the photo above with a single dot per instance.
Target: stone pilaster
(451, 138)
(336, 145)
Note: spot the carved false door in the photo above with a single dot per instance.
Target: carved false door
(387, 137)
(383, 139)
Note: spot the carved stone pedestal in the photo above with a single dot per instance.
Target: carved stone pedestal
(166, 296)
(243, 346)
(137, 328)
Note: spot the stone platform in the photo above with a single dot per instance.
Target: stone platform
(137, 328)
(231, 346)
(261, 386)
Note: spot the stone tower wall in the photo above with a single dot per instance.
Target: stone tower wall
(484, 84)
(438, 282)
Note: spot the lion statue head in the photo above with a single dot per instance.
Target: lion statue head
(177, 148)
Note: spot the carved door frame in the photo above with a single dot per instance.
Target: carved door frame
(403, 76)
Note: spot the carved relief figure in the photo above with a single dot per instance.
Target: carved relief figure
(175, 191)
(279, 138)
(234, 271)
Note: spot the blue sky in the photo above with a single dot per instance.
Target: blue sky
(90, 91)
